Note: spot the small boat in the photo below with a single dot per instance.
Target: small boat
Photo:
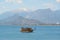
(26, 29)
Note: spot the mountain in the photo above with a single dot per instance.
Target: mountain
(6, 15)
(18, 20)
(12, 13)
(46, 16)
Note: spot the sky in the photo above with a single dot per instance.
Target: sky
(8, 5)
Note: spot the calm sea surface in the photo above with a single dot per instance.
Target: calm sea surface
(40, 33)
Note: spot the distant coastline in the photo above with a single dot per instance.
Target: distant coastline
(37, 25)
(43, 25)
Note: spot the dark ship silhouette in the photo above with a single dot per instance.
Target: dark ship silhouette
(26, 29)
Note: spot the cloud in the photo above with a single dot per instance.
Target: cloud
(58, 1)
(4, 9)
(19, 1)
(27, 16)
(13, 1)
(21, 9)
(49, 5)
(24, 9)
(57, 23)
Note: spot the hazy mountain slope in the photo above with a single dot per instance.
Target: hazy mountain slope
(46, 16)
(17, 20)
(6, 15)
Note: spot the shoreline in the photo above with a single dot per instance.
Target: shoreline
(35, 25)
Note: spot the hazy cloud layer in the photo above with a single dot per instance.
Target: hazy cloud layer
(49, 5)
(58, 1)
(13, 1)
(6, 5)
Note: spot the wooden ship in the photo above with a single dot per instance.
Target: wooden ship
(26, 29)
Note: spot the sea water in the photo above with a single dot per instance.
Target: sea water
(40, 33)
